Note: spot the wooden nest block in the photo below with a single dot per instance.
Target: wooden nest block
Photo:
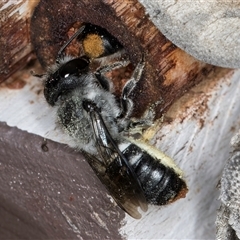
(169, 71)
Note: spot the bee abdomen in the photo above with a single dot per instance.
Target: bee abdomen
(160, 183)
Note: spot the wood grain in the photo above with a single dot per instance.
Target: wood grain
(169, 71)
(15, 46)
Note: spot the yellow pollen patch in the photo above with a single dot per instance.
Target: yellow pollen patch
(93, 46)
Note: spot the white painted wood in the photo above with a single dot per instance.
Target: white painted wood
(198, 139)
(201, 152)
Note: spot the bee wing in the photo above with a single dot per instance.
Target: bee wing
(119, 185)
(114, 171)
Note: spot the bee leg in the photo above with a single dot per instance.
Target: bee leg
(104, 81)
(150, 114)
(144, 128)
(112, 66)
(126, 102)
(75, 35)
(119, 56)
(101, 71)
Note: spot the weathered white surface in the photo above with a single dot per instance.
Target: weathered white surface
(198, 139)
(201, 146)
(24, 8)
(27, 109)
(208, 30)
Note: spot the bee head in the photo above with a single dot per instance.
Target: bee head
(65, 78)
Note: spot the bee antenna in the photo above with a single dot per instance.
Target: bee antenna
(75, 35)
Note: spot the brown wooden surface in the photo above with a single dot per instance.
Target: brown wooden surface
(48, 191)
(15, 46)
(169, 71)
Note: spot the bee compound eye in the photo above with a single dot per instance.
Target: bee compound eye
(74, 67)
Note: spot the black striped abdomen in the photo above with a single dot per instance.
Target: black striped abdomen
(160, 183)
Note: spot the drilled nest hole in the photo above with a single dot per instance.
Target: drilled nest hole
(96, 42)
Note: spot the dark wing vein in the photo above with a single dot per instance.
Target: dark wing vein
(114, 170)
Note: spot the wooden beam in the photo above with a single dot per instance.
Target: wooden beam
(48, 191)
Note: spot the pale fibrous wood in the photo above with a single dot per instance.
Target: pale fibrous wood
(15, 46)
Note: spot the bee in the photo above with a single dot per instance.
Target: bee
(135, 173)
(98, 42)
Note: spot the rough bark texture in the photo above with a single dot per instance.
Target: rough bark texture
(15, 46)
